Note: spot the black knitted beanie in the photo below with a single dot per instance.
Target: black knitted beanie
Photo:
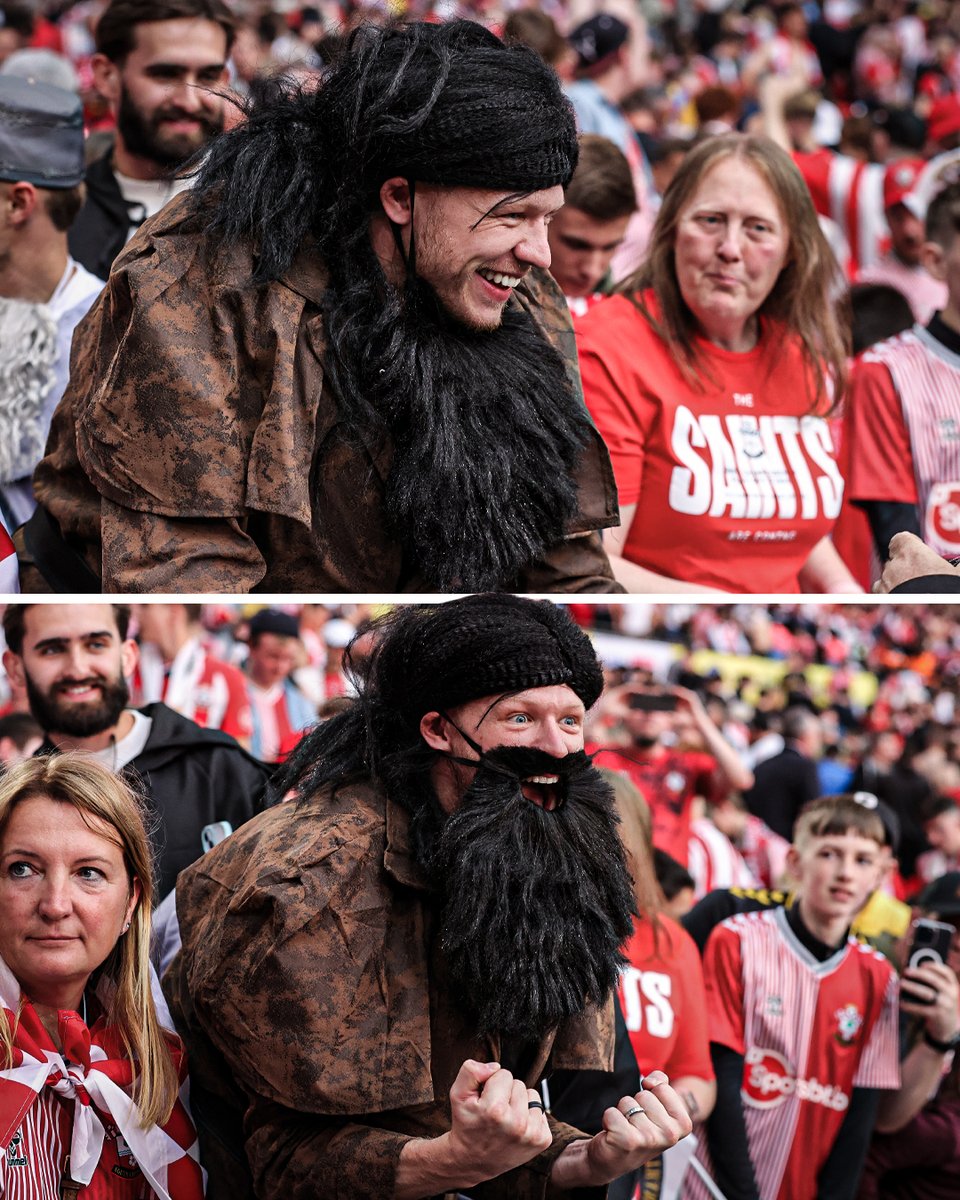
(434, 657)
(449, 104)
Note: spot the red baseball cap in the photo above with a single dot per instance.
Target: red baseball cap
(899, 178)
(944, 117)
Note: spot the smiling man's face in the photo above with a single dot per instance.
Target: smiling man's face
(474, 246)
(74, 664)
(549, 719)
(168, 90)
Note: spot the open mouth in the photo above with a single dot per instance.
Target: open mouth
(499, 282)
(543, 790)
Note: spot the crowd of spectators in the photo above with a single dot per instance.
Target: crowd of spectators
(718, 727)
(862, 94)
(791, 700)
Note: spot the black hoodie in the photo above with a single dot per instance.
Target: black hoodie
(191, 777)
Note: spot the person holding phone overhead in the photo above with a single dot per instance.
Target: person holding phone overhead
(710, 378)
(669, 777)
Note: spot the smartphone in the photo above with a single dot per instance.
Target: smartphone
(653, 701)
(931, 943)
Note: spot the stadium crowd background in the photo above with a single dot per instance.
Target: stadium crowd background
(882, 683)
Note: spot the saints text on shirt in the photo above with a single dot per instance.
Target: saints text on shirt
(753, 467)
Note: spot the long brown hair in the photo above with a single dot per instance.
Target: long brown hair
(104, 799)
(636, 834)
(801, 297)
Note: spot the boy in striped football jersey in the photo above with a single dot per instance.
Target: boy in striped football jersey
(803, 1022)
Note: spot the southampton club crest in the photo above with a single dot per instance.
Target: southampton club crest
(849, 1020)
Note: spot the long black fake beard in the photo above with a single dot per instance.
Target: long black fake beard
(486, 434)
(536, 904)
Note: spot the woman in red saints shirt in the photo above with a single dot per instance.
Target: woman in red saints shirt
(709, 379)
(90, 1104)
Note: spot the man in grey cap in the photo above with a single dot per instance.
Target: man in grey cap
(43, 292)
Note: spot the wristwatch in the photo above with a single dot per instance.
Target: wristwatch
(942, 1047)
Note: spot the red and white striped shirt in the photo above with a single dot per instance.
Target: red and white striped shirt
(809, 1032)
(9, 574)
(904, 428)
(74, 1102)
(850, 192)
(714, 861)
(198, 685)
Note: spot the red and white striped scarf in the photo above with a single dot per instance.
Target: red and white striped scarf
(94, 1074)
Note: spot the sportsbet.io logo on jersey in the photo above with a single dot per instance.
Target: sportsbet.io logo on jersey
(753, 468)
(768, 1081)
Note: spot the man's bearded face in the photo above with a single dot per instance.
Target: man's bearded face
(473, 246)
(56, 708)
(73, 664)
(167, 90)
(166, 136)
(536, 898)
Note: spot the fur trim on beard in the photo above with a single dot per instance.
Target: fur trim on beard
(487, 434)
(28, 353)
(537, 904)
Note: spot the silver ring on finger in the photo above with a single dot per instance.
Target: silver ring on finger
(632, 1112)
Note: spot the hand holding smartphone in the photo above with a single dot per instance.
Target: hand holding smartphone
(930, 945)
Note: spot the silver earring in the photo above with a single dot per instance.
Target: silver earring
(125, 928)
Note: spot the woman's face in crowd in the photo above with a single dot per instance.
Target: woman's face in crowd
(730, 246)
(64, 895)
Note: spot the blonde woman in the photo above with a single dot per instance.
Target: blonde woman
(89, 1082)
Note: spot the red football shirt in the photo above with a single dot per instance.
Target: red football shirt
(809, 1031)
(668, 781)
(662, 996)
(734, 482)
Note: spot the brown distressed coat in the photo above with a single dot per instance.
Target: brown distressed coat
(311, 996)
(197, 449)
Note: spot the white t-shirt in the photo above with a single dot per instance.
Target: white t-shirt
(120, 753)
(150, 194)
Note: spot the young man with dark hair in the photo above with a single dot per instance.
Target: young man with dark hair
(373, 378)
(584, 235)
(43, 292)
(162, 65)
(74, 660)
